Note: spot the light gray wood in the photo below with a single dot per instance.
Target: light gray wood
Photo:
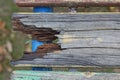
(97, 38)
(91, 34)
(87, 51)
(100, 57)
(107, 42)
(88, 39)
(38, 75)
(67, 21)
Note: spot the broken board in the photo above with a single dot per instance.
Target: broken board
(38, 75)
(86, 39)
(64, 3)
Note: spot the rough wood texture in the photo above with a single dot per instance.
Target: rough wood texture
(46, 48)
(40, 34)
(99, 57)
(32, 3)
(86, 39)
(37, 75)
(66, 21)
(76, 30)
(95, 38)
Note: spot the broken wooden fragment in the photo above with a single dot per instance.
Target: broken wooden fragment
(56, 3)
(46, 48)
(44, 38)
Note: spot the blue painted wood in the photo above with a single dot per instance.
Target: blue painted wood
(41, 69)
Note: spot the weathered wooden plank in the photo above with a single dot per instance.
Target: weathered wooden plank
(100, 57)
(90, 34)
(38, 75)
(67, 21)
(101, 42)
(31, 3)
(97, 38)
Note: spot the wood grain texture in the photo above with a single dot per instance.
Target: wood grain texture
(97, 38)
(32, 3)
(86, 39)
(67, 21)
(37, 75)
(99, 57)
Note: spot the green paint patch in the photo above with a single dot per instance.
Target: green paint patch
(61, 75)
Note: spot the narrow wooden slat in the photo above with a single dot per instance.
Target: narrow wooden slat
(88, 56)
(90, 34)
(100, 57)
(32, 3)
(66, 21)
(97, 38)
(88, 42)
(37, 75)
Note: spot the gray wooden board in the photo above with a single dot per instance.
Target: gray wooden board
(100, 57)
(67, 21)
(90, 39)
(40, 75)
(90, 34)
(81, 43)
(97, 38)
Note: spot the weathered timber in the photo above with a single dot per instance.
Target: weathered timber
(95, 38)
(89, 34)
(40, 34)
(32, 3)
(86, 39)
(67, 21)
(37, 75)
(89, 42)
(99, 57)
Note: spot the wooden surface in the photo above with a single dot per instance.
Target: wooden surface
(37, 75)
(94, 57)
(31, 3)
(86, 39)
(67, 21)
(95, 38)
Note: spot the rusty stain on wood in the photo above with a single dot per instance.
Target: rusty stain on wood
(46, 48)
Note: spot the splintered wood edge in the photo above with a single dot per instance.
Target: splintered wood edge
(64, 3)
